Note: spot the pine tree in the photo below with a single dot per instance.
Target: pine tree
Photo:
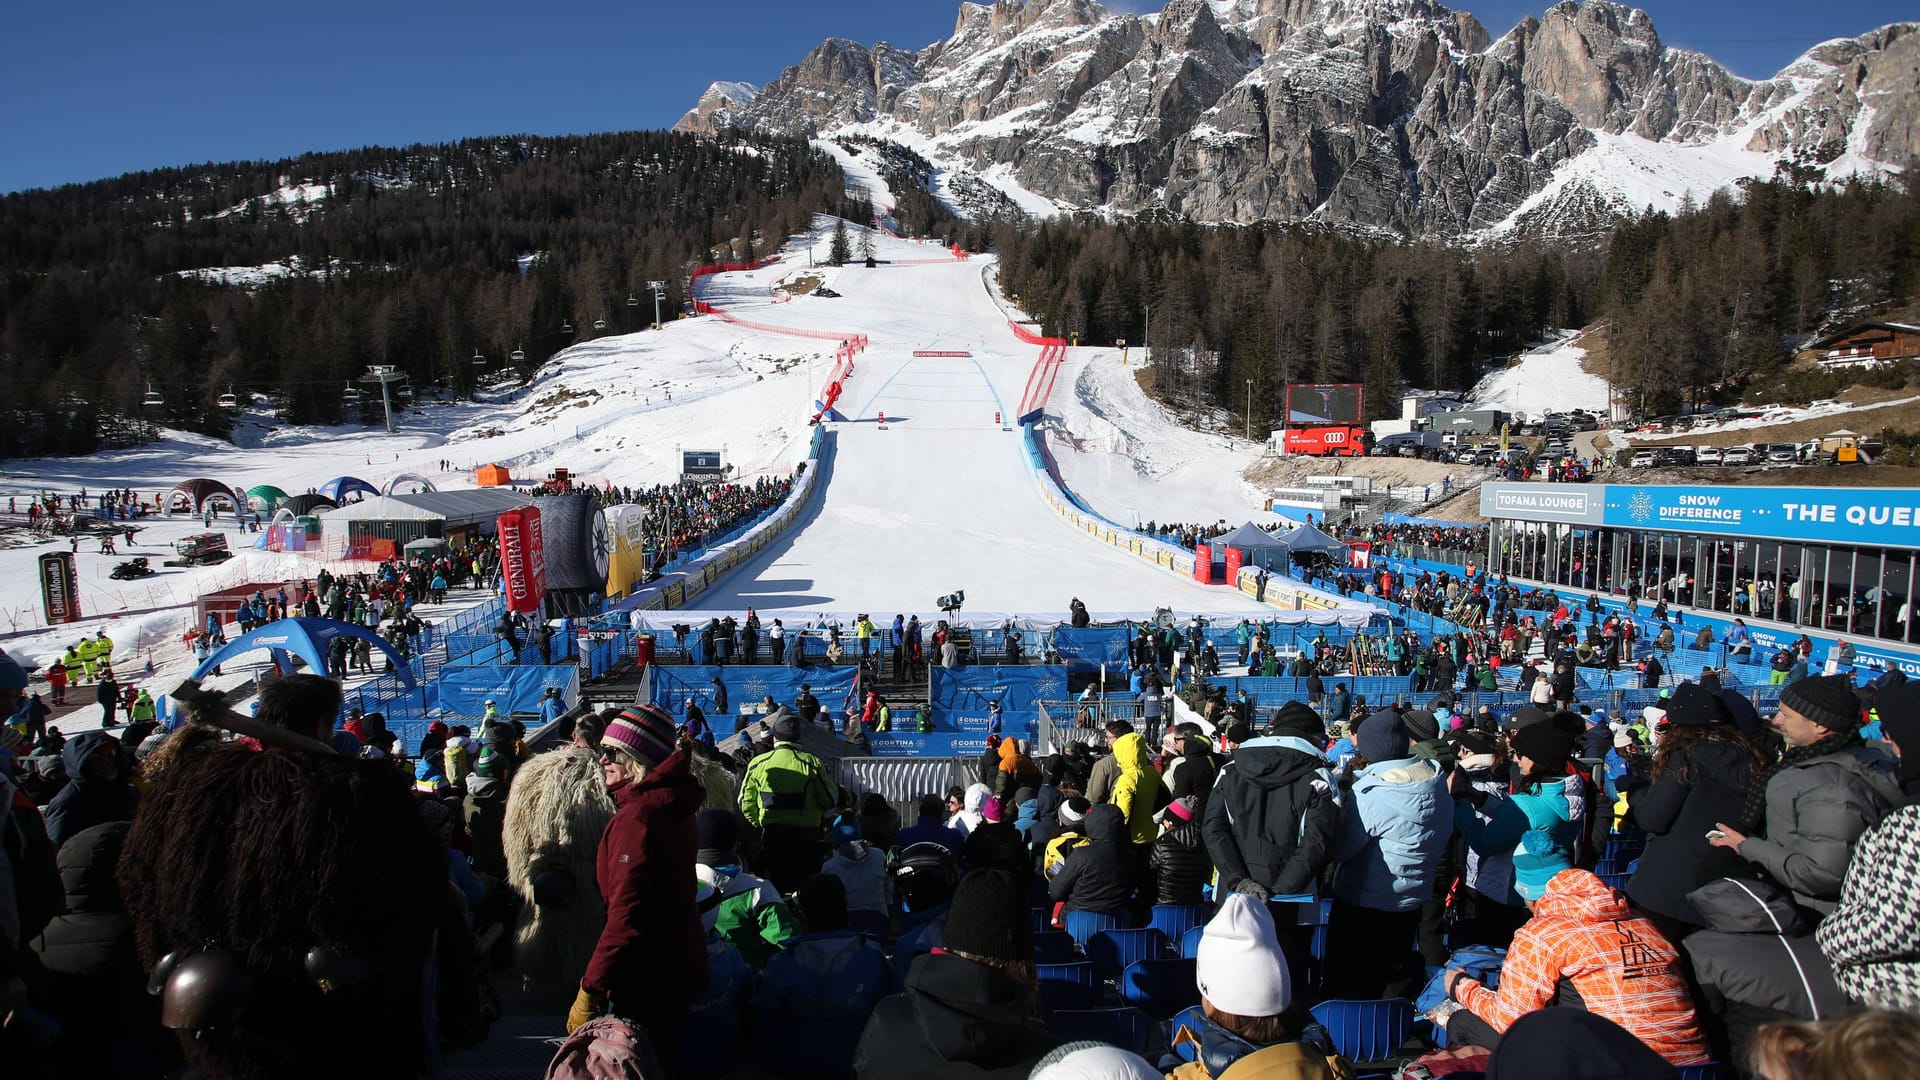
(866, 244)
(841, 251)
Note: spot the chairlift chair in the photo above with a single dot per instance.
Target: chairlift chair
(566, 327)
(519, 356)
(632, 300)
(479, 358)
(599, 325)
(352, 395)
(227, 401)
(153, 397)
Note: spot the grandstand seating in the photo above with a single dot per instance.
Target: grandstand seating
(1366, 1031)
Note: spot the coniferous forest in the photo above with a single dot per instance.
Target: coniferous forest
(1711, 297)
(417, 258)
(424, 256)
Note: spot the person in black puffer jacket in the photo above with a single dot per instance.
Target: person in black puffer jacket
(90, 977)
(1270, 822)
(966, 1011)
(1700, 776)
(1198, 769)
(1096, 876)
(1179, 857)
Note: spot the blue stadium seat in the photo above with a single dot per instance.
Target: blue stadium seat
(1053, 947)
(1190, 942)
(1712, 1070)
(1125, 1028)
(1616, 881)
(1191, 1021)
(1174, 920)
(1042, 919)
(1366, 1030)
(1084, 924)
(1161, 987)
(1113, 950)
(1066, 987)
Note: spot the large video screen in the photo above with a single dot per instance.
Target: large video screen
(1325, 403)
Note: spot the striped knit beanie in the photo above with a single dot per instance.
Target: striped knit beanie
(646, 732)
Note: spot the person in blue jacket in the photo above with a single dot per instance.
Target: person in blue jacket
(1396, 821)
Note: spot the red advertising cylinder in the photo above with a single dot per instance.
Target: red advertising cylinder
(1203, 564)
(523, 559)
(1234, 557)
(642, 650)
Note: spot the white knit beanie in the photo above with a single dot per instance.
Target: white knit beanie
(1092, 1061)
(1240, 966)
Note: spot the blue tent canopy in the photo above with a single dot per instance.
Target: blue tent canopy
(340, 487)
(306, 638)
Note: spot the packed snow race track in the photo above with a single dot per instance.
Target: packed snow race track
(940, 497)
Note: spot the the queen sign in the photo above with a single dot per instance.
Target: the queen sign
(523, 559)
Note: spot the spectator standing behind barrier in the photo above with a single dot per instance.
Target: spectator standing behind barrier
(1828, 789)
(1396, 821)
(1271, 821)
(1106, 771)
(786, 795)
(650, 964)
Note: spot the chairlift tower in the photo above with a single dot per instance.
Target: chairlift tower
(386, 375)
(659, 294)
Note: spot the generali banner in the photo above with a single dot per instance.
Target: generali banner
(523, 559)
(58, 593)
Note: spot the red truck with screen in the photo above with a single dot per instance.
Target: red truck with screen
(1328, 441)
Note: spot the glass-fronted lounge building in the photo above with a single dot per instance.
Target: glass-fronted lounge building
(1837, 561)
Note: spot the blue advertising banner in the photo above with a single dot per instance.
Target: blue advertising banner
(960, 696)
(747, 685)
(1095, 644)
(464, 691)
(1881, 517)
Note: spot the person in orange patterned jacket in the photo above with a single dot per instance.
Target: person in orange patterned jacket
(1585, 948)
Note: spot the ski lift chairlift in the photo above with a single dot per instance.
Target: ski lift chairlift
(632, 300)
(566, 326)
(352, 395)
(153, 397)
(228, 400)
(519, 356)
(479, 358)
(599, 324)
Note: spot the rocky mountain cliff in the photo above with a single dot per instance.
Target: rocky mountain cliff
(1399, 115)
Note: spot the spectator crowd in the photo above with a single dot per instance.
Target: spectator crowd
(1537, 894)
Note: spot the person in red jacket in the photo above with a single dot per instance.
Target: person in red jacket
(650, 964)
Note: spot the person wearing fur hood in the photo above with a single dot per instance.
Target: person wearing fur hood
(556, 810)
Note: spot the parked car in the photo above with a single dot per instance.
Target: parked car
(1642, 459)
(1676, 455)
(1707, 455)
(1583, 421)
(1737, 455)
(1785, 453)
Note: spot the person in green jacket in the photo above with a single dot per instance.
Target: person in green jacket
(751, 916)
(142, 708)
(787, 794)
(89, 654)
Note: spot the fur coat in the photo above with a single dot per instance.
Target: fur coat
(557, 809)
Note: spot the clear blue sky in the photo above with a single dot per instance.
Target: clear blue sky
(89, 90)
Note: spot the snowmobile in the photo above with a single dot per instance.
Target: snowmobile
(130, 569)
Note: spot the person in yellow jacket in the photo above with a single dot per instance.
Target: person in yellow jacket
(74, 665)
(458, 759)
(142, 708)
(89, 652)
(1137, 787)
(1245, 990)
(103, 649)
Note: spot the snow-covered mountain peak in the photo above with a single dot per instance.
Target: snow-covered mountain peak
(1396, 115)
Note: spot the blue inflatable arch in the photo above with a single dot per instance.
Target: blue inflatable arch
(306, 638)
